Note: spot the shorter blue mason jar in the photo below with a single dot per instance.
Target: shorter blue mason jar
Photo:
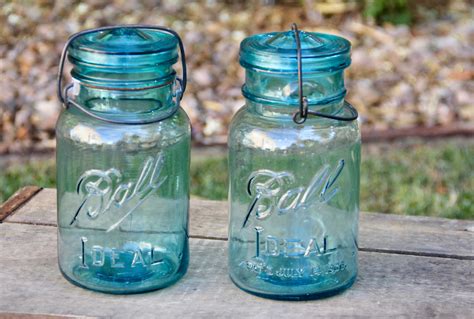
(123, 146)
(294, 154)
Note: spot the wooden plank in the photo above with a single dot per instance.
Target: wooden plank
(41, 209)
(388, 285)
(417, 235)
(17, 200)
(436, 237)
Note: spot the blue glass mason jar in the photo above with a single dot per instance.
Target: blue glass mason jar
(294, 156)
(123, 147)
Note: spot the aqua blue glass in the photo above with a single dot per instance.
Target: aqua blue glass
(123, 147)
(294, 187)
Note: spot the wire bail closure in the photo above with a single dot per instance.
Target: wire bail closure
(63, 92)
(301, 116)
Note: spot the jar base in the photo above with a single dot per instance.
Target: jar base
(299, 296)
(121, 287)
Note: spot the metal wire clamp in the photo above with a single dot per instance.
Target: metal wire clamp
(66, 101)
(301, 116)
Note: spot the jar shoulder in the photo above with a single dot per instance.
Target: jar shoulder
(253, 130)
(83, 129)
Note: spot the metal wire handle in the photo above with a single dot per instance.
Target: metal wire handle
(63, 95)
(301, 116)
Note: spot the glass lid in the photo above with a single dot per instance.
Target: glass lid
(277, 52)
(124, 47)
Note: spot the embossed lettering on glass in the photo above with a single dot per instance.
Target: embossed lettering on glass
(123, 147)
(294, 153)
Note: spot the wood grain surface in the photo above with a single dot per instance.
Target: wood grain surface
(434, 237)
(17, 200)
(410, 267)
(388, 285)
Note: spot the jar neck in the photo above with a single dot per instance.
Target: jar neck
(286, 112)
(125, 101)
(282, 88)
(277, 95)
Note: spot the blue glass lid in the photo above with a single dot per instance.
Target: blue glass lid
(124, 48)
(276, 52)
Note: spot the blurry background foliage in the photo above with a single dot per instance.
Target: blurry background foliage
(392, 11)
(379, 11)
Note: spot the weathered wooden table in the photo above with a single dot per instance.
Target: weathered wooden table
(409, 267)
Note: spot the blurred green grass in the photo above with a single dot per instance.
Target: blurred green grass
(422, 179)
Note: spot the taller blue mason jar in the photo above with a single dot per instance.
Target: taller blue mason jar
(123, 147)
(294, 153)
